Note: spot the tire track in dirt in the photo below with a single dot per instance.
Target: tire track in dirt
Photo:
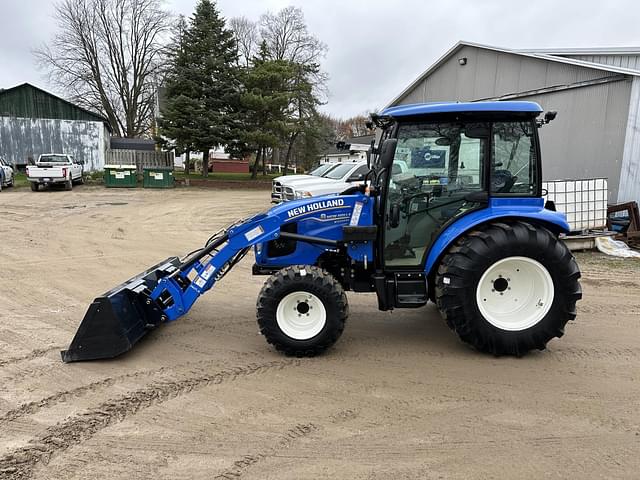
(40, 352)
(612, 353)
(286, 440)
(20, 463)
(35, 406)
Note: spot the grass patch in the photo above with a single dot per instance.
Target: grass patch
(20, 179)
(594, 258)
(94, 178)
(227, 176)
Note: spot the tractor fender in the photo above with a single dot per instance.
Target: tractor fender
(527, 209)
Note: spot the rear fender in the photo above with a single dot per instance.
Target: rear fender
(527, 209)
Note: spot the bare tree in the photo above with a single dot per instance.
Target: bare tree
(107, 56)
(247, 37)
(286, 37)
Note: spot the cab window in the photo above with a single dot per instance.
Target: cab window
(513, 165)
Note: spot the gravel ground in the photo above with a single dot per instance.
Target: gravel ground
(205, 397)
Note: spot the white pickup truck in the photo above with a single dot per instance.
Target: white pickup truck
(337, 180)
(55, 168)
(279, 183)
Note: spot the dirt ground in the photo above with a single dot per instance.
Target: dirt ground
(205, 397)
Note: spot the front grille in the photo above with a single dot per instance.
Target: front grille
(276, 191)
(288, 193)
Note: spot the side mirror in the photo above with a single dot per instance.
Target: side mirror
(370, 151)
(387, 152)
(548, 117)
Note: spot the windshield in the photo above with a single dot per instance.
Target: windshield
(318, 171)
(340, 171)
(53, 159)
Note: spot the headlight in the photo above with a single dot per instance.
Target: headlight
(304, 194)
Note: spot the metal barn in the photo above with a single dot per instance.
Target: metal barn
(33, 121)
(595, 92)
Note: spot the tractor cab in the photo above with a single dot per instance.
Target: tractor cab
(454, 159)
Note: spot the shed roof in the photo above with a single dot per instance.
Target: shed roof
(584, 51)
(525, 53)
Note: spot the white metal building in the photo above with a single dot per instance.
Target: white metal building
(350, 150)
(596, 93)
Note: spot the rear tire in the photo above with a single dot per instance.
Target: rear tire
(34, 186)
(68, 185)
(508, 288)
(302, 310)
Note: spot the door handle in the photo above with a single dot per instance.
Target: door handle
(394, 215)
(477, 197)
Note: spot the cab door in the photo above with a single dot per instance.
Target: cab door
(442, 177)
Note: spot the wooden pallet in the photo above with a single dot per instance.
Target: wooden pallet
(632, 234)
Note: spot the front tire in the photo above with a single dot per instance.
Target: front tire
(34, 186)
(302, 310)
(508, 288)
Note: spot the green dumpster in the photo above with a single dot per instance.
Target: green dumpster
(120, 176)
(158, 177)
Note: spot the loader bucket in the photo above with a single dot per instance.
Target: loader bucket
(117, 319)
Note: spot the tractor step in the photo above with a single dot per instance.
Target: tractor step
(411, 290)
(400, 289)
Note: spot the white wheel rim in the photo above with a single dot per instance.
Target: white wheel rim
(515, 293)
(301, 315)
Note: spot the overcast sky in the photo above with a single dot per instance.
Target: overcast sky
(376, 48)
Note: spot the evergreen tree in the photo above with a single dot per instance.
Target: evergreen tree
(177, 125)
(203, 85)
(266, 103)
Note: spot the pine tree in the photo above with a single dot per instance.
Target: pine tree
(204, 84)
(266, 103)
(177, 125)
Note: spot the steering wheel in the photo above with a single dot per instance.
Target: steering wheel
(502, 181)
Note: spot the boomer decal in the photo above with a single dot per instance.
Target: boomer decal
(313, 207)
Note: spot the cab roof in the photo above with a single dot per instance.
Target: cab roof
(460, 107)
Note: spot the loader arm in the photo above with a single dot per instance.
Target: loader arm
(116, 320)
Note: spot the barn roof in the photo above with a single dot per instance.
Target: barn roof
(28, 101)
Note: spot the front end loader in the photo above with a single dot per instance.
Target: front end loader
(452, 212)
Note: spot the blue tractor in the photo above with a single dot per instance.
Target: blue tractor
(452, 212)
